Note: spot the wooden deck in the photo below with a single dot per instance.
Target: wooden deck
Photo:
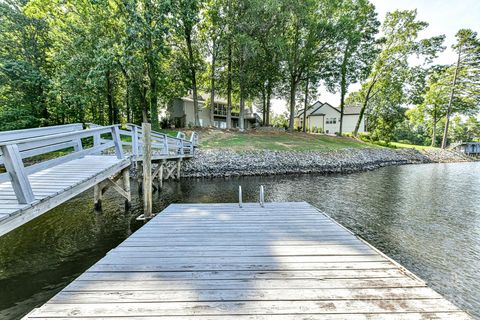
(219, 261)
(55, 185)
(88, 158)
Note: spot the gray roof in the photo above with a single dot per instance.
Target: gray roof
(311, 109)
(352, 110)
(314, 109)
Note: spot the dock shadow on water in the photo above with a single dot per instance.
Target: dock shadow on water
(427, 217)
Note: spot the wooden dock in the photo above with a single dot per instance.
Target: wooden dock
(94, 157)
(284, 261)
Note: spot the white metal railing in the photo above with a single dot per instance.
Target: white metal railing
(14, 151)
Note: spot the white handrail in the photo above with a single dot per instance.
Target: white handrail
(13, 152)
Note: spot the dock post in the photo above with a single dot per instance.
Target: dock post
(97, 196)
(126, 186)
(240, 196)
(147, 170)
(179, 165)
(160, 174)
(139, 171)
(262, 197)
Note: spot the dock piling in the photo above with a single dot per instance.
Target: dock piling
(240, 196)
(147, 170)
(126, 186)
(262, 197)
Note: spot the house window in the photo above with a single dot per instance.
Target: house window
(331, 120)
(220, 124)
(220, 109)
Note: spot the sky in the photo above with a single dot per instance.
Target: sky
(443, 16)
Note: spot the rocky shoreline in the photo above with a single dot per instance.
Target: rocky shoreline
(213, 163)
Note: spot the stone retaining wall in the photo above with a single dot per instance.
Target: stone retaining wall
(224, 163)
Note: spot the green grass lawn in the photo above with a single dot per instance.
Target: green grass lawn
(410, 146)
(250, 141)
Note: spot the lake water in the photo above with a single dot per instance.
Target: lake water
(427, 217)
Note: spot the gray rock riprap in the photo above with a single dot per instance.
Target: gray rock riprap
(225, 163)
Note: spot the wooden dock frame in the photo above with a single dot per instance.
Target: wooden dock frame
(120, 182)
(153, 176)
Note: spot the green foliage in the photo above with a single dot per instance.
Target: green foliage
(465, 87)
(393, 82)
(116, 61)
(24, 68)
(280, 121)
(357, 47)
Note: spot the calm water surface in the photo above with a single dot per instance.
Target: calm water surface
(427, 217)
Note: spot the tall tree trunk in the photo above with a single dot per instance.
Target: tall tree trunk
(450, 101)
(193, 75)
(269, 94)
(153, 102)
(241, 118)
(305, 107)
(127, 93)
(364, 107)
(434, 128)
(343, 87)
(109, 98)
(127, 102)
(43, 105)
(212, 88)
(143, 103)
(293, 90)
(264, 104)
(229, 86)
(151, 67)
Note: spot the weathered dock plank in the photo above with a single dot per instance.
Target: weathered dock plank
(54, 186)
(282, 262)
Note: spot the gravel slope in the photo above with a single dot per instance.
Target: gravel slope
(211, 163)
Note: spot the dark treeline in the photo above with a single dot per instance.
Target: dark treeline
(112, 61)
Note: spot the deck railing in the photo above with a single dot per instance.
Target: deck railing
(162, 144)
(16, 146)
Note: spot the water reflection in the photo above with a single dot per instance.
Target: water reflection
(427, 217)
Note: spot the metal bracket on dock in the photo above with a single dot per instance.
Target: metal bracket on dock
(240, 196)
(262, 197)
(143, 218)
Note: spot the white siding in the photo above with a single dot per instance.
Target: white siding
(330, 122)
(350, 121)
(203, 114)
(315, 122)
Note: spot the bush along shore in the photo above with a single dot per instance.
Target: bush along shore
(211, 163)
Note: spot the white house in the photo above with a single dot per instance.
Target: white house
(325, 118)
(181, 111)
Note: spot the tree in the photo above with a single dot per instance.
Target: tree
(400, 30)
(465, 87)
(267, 19)
(357, 47)
(433, 106)
(468, 130)
(187, 19)
(213, 36)
(25, 69)
(308, 41)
